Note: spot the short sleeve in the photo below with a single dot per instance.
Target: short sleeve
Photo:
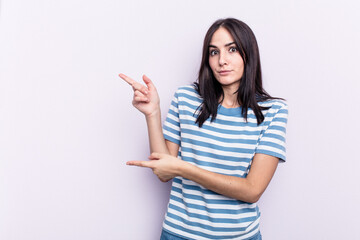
(272, 141)
(171, 126)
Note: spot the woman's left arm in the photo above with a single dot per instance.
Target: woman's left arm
(247, 189)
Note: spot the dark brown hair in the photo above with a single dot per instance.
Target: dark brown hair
(250, 91)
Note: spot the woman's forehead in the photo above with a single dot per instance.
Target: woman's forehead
(221, 38)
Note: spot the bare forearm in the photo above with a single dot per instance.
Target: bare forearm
(230, 186)
(156, 137)
(247, 189)
(147, 101)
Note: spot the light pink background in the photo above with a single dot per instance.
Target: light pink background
(67, 126)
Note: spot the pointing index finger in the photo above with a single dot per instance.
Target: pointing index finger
(127, 79)
(140, 164)
(135, 85)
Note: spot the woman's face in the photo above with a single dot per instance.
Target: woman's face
(225, 60)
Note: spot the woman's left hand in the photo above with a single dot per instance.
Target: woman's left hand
(164, 166)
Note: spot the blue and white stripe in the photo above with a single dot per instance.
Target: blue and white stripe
(226, 146)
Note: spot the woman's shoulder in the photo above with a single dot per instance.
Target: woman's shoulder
(187, 90)
(274, 103)
(187, 87)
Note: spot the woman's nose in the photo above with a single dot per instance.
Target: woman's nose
(222, 59)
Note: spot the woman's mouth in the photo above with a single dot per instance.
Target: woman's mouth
(224, 72)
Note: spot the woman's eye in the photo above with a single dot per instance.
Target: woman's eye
(232, 49)
(213, 52)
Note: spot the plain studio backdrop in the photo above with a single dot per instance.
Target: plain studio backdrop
(67, 125)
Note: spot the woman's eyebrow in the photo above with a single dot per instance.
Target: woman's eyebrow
(226, 45)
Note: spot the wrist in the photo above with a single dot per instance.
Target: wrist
(154, 114)
(183, 168)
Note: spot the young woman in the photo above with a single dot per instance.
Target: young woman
(221, 142)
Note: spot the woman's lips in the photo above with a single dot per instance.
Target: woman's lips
(224, 72)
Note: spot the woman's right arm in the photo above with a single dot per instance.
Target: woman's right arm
(147, 101)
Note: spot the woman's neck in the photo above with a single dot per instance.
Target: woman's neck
(230, 98)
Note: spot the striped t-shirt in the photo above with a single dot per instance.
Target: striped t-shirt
(226, 146)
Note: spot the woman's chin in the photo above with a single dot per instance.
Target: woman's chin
(229, 83)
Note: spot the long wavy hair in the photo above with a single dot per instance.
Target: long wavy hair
(250, 91)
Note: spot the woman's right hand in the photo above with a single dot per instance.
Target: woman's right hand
(146, 98)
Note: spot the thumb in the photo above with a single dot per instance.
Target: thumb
(156, 156)
(148, 82)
